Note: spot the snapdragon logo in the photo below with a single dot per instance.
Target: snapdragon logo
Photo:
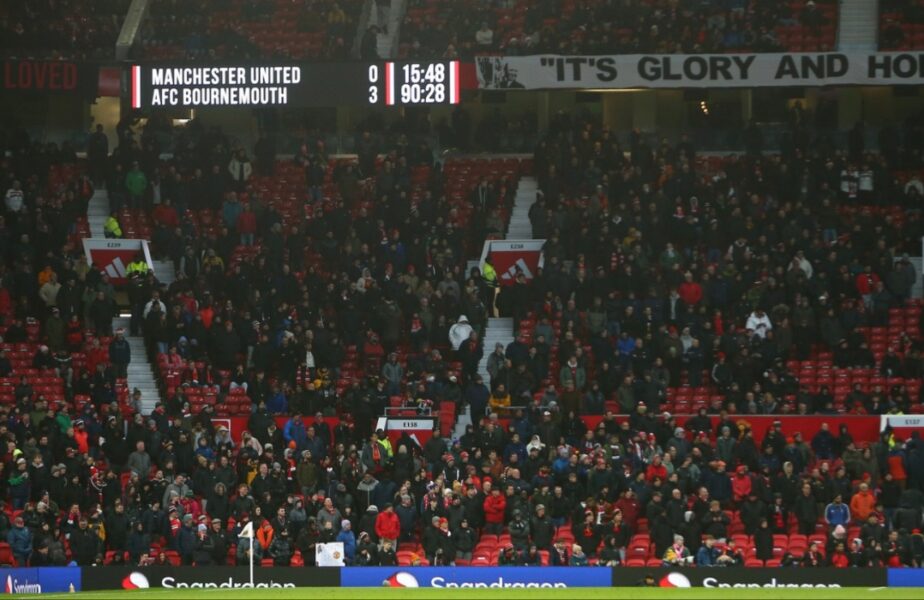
(14, 586)
(675, 580)
(440, 582)
(135, 581)
(402, 579)
(407, 580)
(172, 583)
(712, 582)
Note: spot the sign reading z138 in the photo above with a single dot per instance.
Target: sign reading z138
(295, 84)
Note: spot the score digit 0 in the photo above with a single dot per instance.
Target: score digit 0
(373, 81)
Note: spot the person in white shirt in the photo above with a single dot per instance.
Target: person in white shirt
(866, 183)
(484, 36)
(459, 332)
(914, 184)
(800, 262)
(155, 300)
(758, 324)
(14, 199)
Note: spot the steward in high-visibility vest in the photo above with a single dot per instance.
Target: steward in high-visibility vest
(138, 268)
(491, 287)
(111, 228)
(488, 273)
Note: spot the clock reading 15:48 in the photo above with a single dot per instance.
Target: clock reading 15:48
(415, 83)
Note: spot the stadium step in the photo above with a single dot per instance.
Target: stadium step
(464, 420)
(498, 331)
(520, 228)
(164, 271)
(858, 26)
(98, 212)
(140, 373)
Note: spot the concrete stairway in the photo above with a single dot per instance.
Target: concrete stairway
(498, 331)
(164, 271)
(388, 19)
(98, 212)
(463, 420)
(140, 370)
(858, 25)
(519, 227)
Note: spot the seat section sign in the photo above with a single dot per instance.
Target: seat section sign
(513, 257)
(112, 256)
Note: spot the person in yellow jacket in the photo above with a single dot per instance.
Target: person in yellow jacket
(386, 443)
(138, 268)
(500, 399)
(112, 228)
(491, 287)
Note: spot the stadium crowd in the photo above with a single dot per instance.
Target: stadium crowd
(625, 27)
(901, 25)
(663, 269)
(252, 29)
(60, 29)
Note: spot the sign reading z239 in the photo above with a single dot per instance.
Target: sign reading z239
(186, 85)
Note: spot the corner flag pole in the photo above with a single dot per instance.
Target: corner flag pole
(247, 532)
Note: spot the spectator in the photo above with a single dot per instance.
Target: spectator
(862, 504)
(837, 513)
(19, 537)
(484, 37)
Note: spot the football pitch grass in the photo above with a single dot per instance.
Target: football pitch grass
(532, 594)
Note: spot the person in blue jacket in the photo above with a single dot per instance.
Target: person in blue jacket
(294, 431)
(19, 537)
(837, 513)
(349, 541)
(707, 554)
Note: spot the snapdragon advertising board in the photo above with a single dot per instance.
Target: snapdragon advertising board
(115, 578)
(906, 577)
(717, 577)
(476, 577)
(41, 581)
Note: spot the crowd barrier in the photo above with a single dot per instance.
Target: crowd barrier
(71, 579)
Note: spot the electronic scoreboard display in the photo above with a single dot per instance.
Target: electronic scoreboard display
(388, 83)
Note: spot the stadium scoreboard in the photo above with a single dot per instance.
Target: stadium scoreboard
(387, 83)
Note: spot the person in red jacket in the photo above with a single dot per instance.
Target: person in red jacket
(866, 284)
(839, 557)
(741, 483)
(247, 225)
(630, 506)
(388, 526)
(494, 506)
(656, 469)
(690, 291)
(165, 214)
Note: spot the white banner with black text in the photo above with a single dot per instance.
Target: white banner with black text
(628, 71)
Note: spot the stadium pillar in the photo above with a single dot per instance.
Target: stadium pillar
(645, 110)
(747, 105)
(849, 107)
(542, 111)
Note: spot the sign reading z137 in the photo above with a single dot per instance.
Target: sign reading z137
(295, 84)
